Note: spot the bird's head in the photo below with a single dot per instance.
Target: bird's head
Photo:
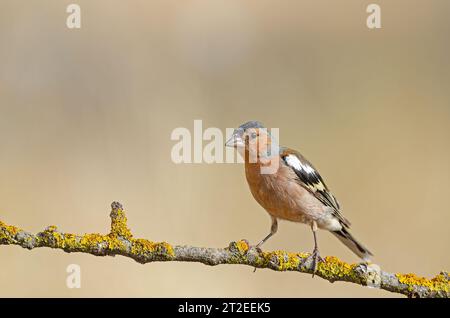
(252, 137)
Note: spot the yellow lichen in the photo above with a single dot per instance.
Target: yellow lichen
(58, 239)
(114, 242)
(332, 268)
(242, 246)
(438, 283)
(141, 247)
(70, 241)
(8, 231)
(92, 241)
(286, 261)
(89, 240)
(119, 224)
(51, 228)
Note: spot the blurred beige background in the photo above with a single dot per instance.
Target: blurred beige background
(86, 117)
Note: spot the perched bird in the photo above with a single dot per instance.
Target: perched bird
(293, 191)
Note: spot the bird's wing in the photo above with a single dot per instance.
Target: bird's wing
(310, 179)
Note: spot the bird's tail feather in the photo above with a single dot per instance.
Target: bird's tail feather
(345, 237)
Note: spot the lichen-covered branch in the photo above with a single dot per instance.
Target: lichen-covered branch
(120, 241)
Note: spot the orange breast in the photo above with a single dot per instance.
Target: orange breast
(279, 194)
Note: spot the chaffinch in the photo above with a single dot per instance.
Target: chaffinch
(293, 190)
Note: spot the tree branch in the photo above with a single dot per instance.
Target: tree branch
(120, 241)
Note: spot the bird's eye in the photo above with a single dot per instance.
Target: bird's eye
(253, 135)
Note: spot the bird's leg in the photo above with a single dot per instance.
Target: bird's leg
(315, 254)
(273, 230)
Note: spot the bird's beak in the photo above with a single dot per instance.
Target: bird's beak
(235, 141)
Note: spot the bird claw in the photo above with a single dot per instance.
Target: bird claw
(258, 250)
(254, 247)
(314, 258)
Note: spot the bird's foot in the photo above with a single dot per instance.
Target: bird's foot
(258, 249)
(314, 258)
